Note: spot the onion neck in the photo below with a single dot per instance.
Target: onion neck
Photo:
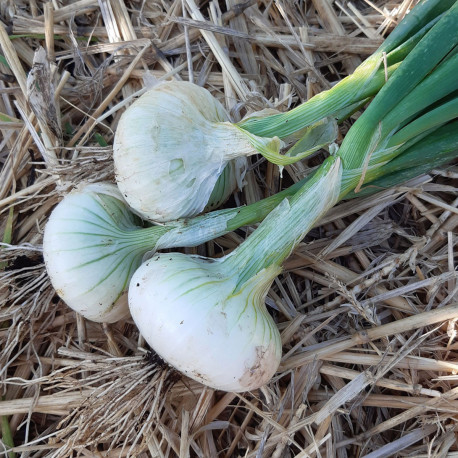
(283, 229)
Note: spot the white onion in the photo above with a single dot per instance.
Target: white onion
(170, 148)
(91, 246)
(185, 308)
(207, 317)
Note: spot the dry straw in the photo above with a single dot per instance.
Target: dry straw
(367, 304)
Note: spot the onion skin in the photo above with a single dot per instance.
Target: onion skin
(171, 146)
(89, 252)
(186, 309)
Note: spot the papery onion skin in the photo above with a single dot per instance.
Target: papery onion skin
(89, 252)
(186, 309)
(170, 147)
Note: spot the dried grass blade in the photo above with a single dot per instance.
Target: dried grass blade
(228, 67)
(402, 443)
(404, 325)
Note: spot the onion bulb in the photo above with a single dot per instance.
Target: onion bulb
(186, 309)
(207, 317)
(171, 146)
(91, 246)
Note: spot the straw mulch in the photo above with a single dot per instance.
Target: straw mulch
(366, 305)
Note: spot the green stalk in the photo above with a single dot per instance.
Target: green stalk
(285, 226)
(369, 131)
(436, 143)
(442, 82)
(352, 89)
(365, 82)
(402, 175)
(295, 215)
(434, 150)
(430, 120)
(437, 148)
(274, 240)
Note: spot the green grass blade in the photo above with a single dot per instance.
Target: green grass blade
(8, 233)
(7, 436)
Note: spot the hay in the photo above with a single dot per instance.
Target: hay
(367, 304)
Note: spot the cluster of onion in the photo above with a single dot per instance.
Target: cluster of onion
(94, 241)
(207, 317)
